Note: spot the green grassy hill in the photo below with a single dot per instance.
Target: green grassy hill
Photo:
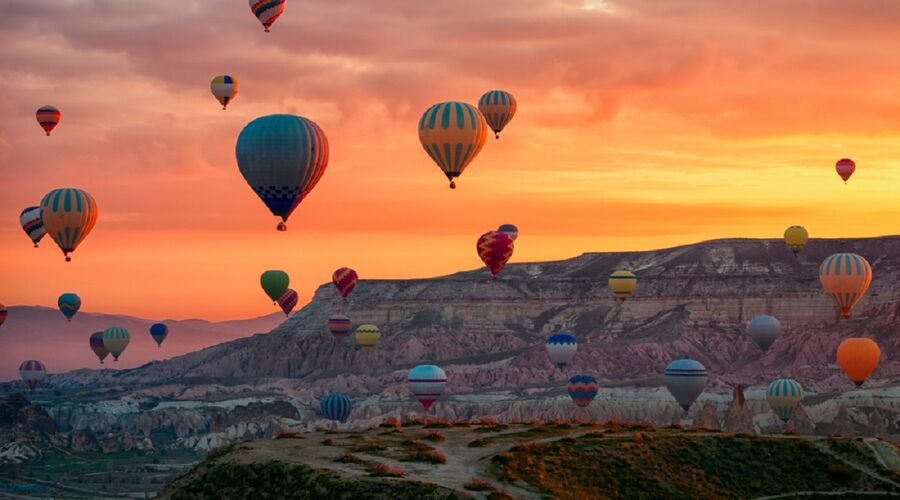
(559, 460)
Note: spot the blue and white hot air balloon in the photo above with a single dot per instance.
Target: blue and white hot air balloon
(561, 347)
(784, 395)
(336, 407)
(427, 383)
(69, 304)
(685, 379)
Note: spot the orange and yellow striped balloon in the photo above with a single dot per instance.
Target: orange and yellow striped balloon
(69, 214)
(452, 134)
(846, 277)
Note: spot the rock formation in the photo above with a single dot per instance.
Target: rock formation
(843, 425)
(708, 417)
(739, 416)
(800, 423)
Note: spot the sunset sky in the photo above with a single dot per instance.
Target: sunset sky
(640, 125)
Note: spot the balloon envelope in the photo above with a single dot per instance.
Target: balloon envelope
(846, 277)
(685, 379)
(33, 224)
(159, 332)
(510, 229)
(69, 304)
(784, 395)
(4, 312)
(452, 134)
(561, 348)
(98, 347)
(336, 407)
(68, 214)
(622, 283)
(498, 108)
(427, 383)
(845, 168)
(274, 283)
(267, 11)
(344, 280)
(858, 357)
(495, 249)
(224, 88)
(582, 389)
(764, 330)
(367, 336)
(795, 238)
(116, 339)
(282, 158)
(32, 372)
(339, 326)
(288, 301)
(48, 117)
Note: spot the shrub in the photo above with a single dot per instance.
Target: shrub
(479, 443)
(378, 469)
(478, 484)
(434, 437)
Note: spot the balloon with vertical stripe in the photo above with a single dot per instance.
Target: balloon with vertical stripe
(115, 339)
(4, 312)
(32, 372)
(764, 329)
(561, 347)
(795, 238)
(69, 304)
(622, 284)
(98, 347)
(224, 88)
(159, 332)
(685, 379)
(345, 280)
(784, 395)
(582, 389)
(288, 301)
(846, 277)
(367, 336)
(452, 134)
(69, 214)
(33, 224)
(267, 11)
(336, 407)
(339, 326)
(282, 158)
(427, 383)
(498, 108)
(48, 117)
(495, 249)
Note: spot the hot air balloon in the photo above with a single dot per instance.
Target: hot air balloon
(495, 249)
(48, 117)
(344, 280)
(282, 157)
(622, 283)
(561, 347)
(274, 283)
(32, 372)
(795, 237)
(3, 313)
(858, 358)
(784, 396)
(288, 301)
(582, 389)
(452, 134)
(115, 339)
(267, 11)
(69, 304)
(339, 326)
(224, 88)
(32, 224)
(98, 347)
(764, 330)
(510, 229)
(69, 214)
(367, 336)
(685, 379)
(498, 108)
(159, 332)
(336, 407)
(427, 383)
(845, 168)
(846, 277)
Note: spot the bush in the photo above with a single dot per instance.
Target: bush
(478, 484)
(379, 469)
(479, 443)
(840, 473)
(434, 437)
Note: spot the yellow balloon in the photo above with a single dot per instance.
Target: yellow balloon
(367, 336)
(69, 214)
(452, 134)
(622, 283)
(795, 237)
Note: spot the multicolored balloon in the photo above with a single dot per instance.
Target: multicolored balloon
(159, 332)
(69, 214)
(623, 284)
(510, 229)
(274, 282)
(336, 407)
(367, 336)
(98, 347)
(224, 88)
(495, 249)
(339, 326)
(48, 117)
(288, 301)
(427, 383)
(32, 372)
(685, 379)
(498, 108)
(32, 224)
(764, 330)
(282, 157)
(69, 304)
(115, 339)
(561, 347)
(267, 11)
(452, 134)
(795, 237)
(345, 280)
(4, 312)
(845, 168)
(582, 389)
(784, 395)
(846, 277)
(858, 357)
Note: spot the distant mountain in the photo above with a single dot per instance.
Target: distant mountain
(34, 332)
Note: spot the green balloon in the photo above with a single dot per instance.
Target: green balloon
(275, 283)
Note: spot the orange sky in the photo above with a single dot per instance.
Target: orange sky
(640, 125)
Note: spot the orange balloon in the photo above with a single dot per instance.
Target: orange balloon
(858, 358)
(846, 277)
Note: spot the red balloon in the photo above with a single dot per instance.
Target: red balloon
(845, 168)
(495, 248)
(344, 280)
(288, 301)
